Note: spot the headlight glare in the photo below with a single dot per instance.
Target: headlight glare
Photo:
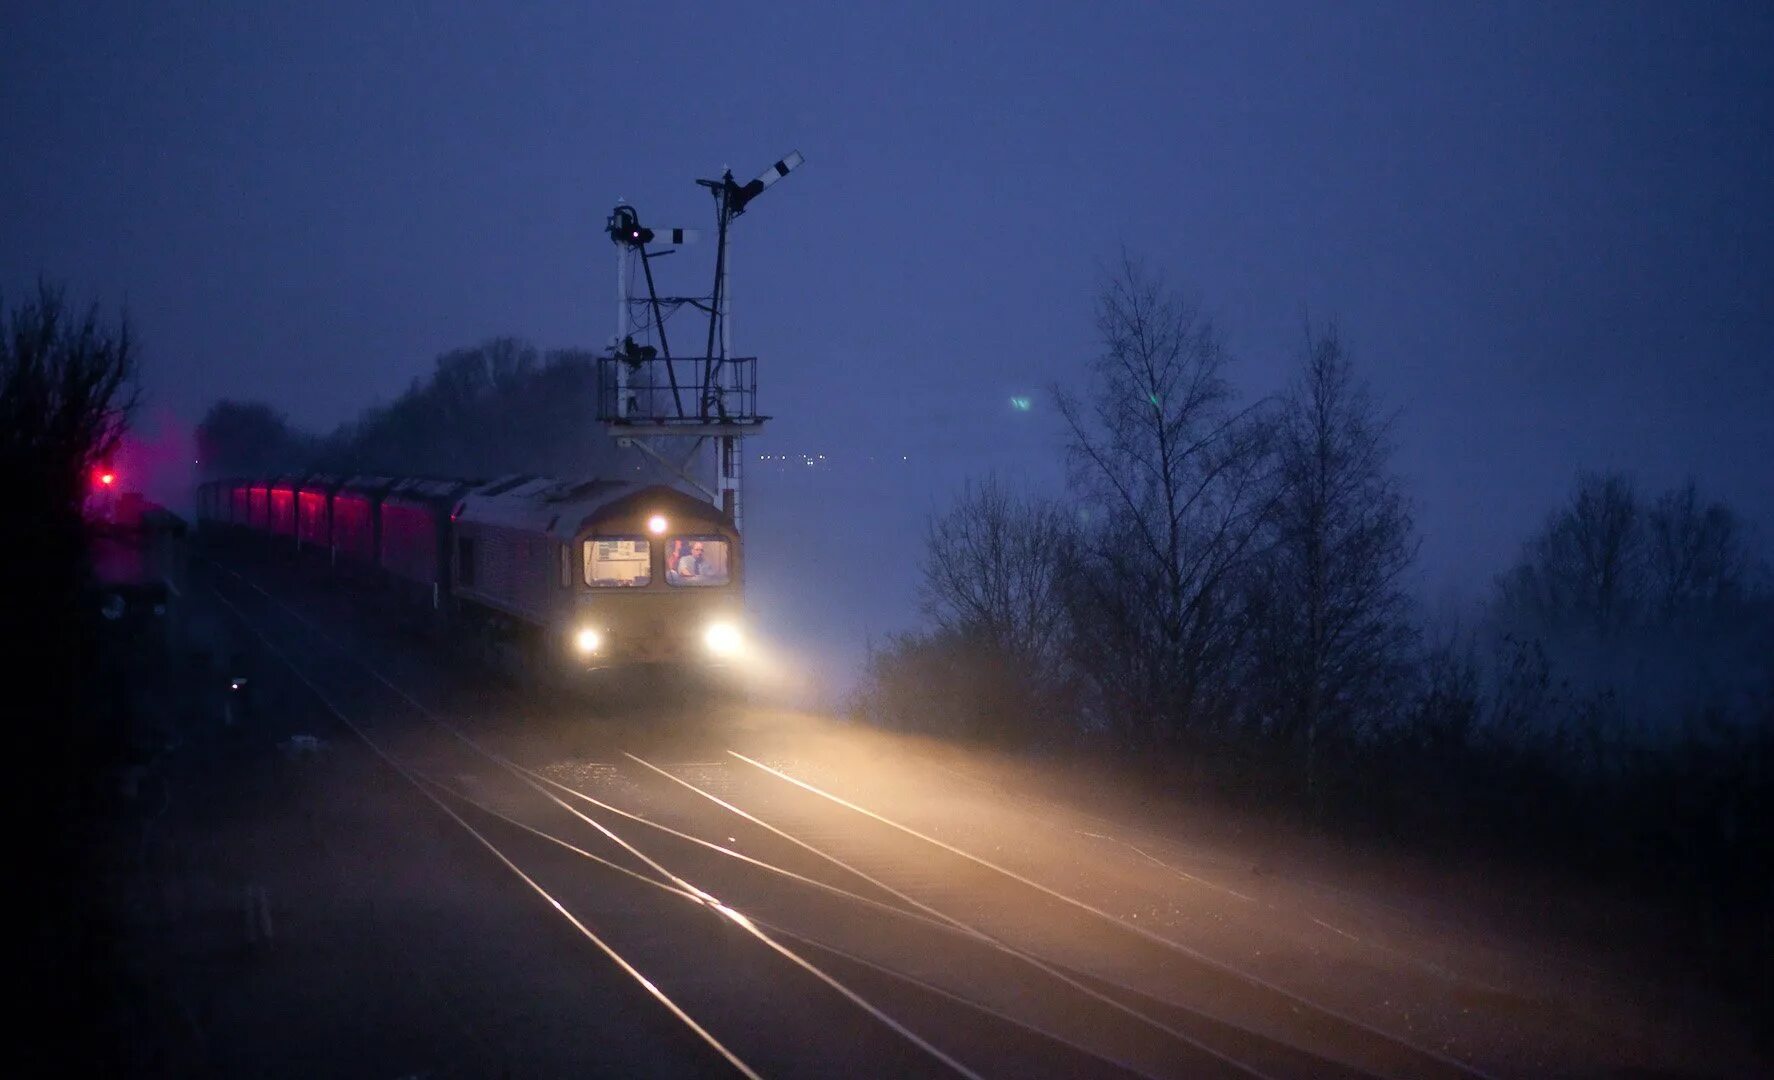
(722, 639)
(588, 641)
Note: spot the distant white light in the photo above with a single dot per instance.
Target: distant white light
(657, 524)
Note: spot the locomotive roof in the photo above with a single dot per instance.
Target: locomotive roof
(322, 482)
(428, 490)
(366, 482)
(556, 507)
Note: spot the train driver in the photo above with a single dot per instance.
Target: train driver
(692, 565)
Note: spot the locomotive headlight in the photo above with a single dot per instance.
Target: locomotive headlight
(722, 639)
(588, 641)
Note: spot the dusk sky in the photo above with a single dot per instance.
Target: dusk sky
(1547, 231)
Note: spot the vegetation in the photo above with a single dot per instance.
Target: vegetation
(498, 407)
(1221, 600)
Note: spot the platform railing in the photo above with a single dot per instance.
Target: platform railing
(683, 391)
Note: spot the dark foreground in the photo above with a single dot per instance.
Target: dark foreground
(325, 880)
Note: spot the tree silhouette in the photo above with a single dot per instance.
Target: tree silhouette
(1177, 478)
(1329, 621)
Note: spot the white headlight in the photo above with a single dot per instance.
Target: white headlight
(656, 524)
(588, 641)
(722, 639)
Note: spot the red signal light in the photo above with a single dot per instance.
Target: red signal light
(107, 479)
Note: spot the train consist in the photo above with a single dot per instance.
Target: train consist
(557, 578)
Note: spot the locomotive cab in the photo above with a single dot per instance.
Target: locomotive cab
(658, 580)
(602, 575)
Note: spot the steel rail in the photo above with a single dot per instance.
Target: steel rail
(1230, 970)
(968, 929)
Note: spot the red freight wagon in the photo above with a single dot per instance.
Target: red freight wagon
(355, 521)
(283, 505)
(314, 514)
(415, 534)
(259, 506)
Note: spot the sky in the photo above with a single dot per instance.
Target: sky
(1546, 231)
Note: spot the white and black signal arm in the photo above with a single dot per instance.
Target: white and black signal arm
(738, 196)
(625, 227)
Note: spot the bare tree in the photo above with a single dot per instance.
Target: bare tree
(67, 387)
(1585, 567)
(992, 569)
(1697, 560)
(993, 664)
(1177, 476)
(1329, 621)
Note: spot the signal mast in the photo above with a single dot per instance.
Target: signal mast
(647, 396)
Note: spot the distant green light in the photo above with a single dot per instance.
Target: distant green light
(1020, 404)
(1153, 398)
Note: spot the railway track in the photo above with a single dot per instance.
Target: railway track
(848, 910)
(861, 1036)
(1221, 1012)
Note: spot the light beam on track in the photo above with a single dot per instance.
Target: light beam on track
(1140, 931)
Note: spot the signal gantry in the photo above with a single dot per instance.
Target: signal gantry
(649, 397)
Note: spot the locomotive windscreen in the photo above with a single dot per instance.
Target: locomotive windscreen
(618, 563)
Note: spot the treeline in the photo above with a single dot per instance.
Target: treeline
(499, 407)
(1221, 595)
